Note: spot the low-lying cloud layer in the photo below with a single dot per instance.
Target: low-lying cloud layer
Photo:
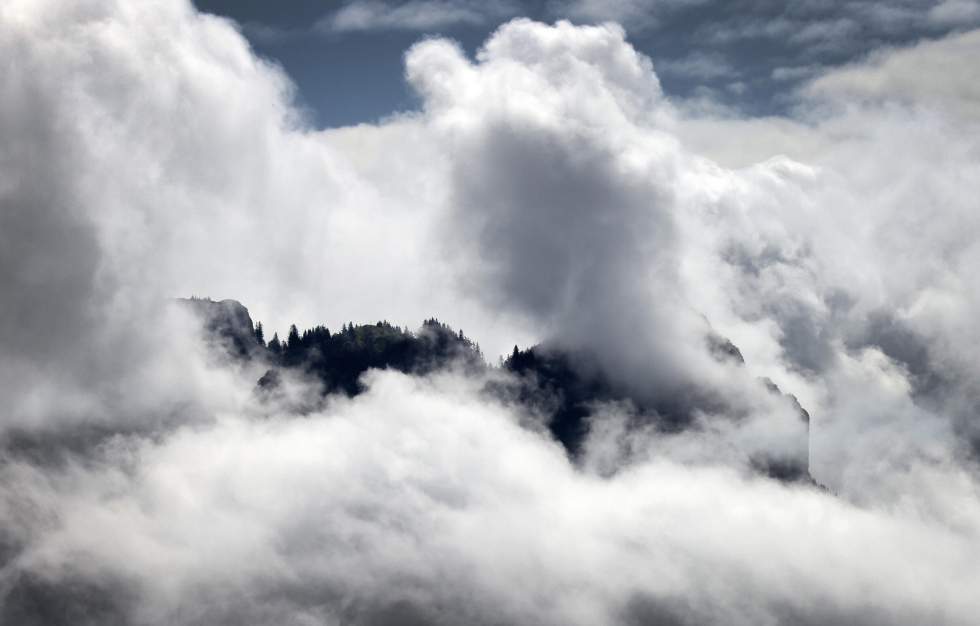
(548, 191)
(420, 503)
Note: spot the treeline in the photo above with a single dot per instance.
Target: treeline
(339, 358)
(546, 381)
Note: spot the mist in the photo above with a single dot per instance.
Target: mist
(547, 193)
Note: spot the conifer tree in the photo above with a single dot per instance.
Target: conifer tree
(293, 340)
(274, 344)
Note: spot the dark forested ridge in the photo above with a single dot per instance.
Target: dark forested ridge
(336, 358)
(560, 387)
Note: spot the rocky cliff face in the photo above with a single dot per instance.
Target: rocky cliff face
(227, 325)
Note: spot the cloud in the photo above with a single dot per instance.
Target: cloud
(826, 32)
(793, 73)
(268, 33)
(955, 12)
(632, 14)
(835, 33)
(421, 502)
(924, 75)
(699, 66)
(913, 227)
(570, 210)
(421, 15)
(548, 190)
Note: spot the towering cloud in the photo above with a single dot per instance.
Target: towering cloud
(565, 188)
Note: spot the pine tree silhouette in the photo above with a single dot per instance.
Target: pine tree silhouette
(275, 346)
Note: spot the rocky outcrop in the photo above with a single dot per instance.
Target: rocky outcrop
(226, 324)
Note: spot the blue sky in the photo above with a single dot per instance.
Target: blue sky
(748, 55)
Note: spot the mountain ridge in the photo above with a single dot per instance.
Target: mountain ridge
(561, 386)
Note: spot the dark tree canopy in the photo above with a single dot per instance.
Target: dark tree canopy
(338, 360)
